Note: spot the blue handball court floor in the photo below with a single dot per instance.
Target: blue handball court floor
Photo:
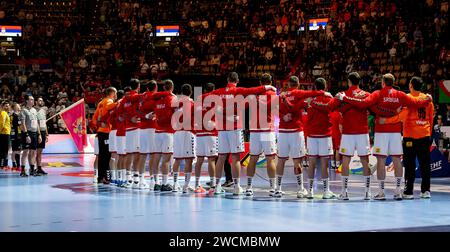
(67, 200)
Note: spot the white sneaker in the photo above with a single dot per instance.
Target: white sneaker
(238, 191)
(249, 192)
(143, 185)
(343, 196)
(398, 194)
(367, 196)
(129, 184)
(187, 189)
(408, 196)
(272, 192)
(136, 185)
(152, 185)
(380, 196)
(219, 190)
(310, 195)
(328, 195)
(278, 194)
(425, 195)
(176, 188)
(302, 193)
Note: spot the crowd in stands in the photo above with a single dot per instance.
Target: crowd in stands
(93, 45)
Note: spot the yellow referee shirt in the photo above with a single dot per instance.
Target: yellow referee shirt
(5, 123)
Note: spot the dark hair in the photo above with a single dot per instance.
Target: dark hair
(266, 79)
(110, 90)
(416, 83)
(127, 89)
(293, 81)
(120, 94)
(209, 87)
(3, 103)
(134, 84)
(186, 89)
(233, 77)
(320, 83)
(389, 79)
(168, 85)
(27, 96)
(152, 85)
(354, 78)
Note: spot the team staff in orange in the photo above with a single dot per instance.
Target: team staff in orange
(100, 119)
(417, 128)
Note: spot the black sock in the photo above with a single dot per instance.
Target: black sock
(17, 157)
(39, 167)
(23, 168)
(14, 164)
(6, 162)
(31, 167)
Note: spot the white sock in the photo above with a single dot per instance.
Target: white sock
(333, 163)
(212, 181)
(164, 179)
(218, 182)
(326, 185)
(311, 184)
(113, 175)
(237, 182)
(344, 183)
(367, 183)
(249, 182)
(136, 178)
(338, 163)
(129, 177)
(197, 181)
(156, 178)
(175, 177)
(381, 185)
(398, 183)
(123, 174)
(279, 178)
(187, 178)
(300, 181)
(141, 178)
(273, 182)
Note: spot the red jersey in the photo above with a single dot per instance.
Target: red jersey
(120, 120)
(295, 98)
(265, 106)
(112, 118)
(129, 109)
(204, 111)
(336, 123)
(231, 114)
(146, 106)
(319, 121)
(163, 112)
(387, 99)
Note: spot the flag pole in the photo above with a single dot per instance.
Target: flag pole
(64, 110)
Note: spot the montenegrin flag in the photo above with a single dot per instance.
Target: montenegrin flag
(74, 117)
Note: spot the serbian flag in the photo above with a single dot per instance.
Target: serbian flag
(74, 117)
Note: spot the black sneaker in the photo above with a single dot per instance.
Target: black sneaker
(166, 188)
(41, 172)
(228, 184)
(157, 187)
(208, 183)
(34, 173)
(23, 174)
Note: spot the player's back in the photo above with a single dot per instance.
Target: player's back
(319, 121)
